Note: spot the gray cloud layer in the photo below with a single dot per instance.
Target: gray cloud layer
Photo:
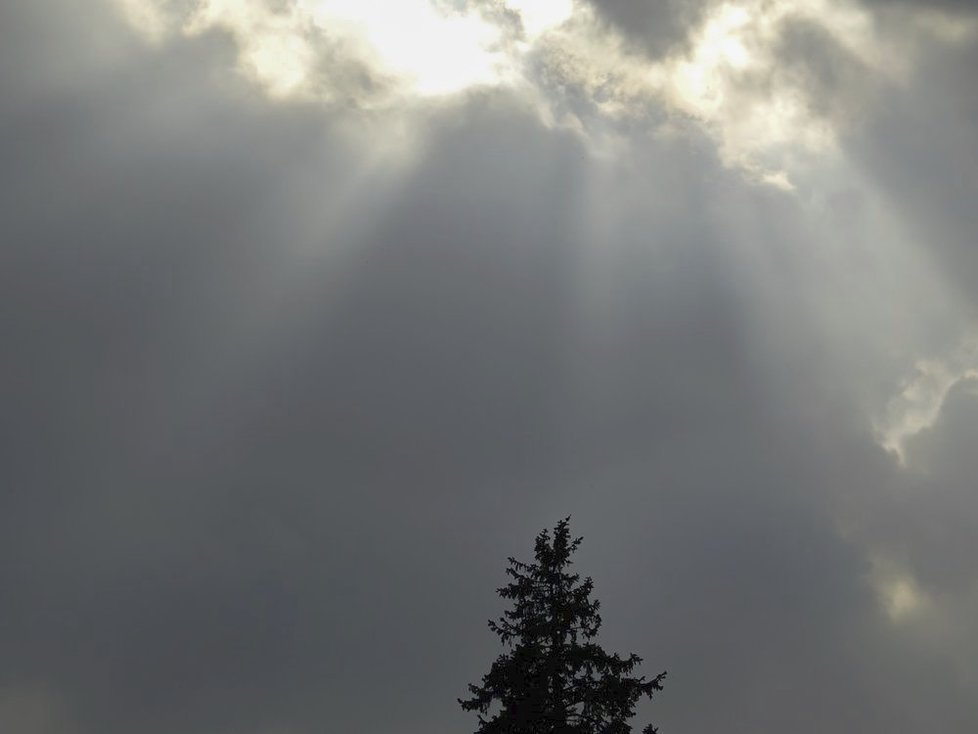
(653, 26)
(275, 414)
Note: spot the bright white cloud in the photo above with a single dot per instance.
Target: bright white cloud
(917, 405)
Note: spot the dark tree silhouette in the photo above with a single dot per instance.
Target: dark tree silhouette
(554, 679)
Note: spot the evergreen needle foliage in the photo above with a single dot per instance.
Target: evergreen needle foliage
(553, 678)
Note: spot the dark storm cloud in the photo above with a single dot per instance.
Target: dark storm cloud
(933, 177)
(937, 517)
(273, 419)
(962, 6)
(921, 528)
(656, 26)
(836, 84)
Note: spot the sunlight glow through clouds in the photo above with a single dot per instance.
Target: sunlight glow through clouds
(434, 52)
(426, 48)
(729, 79)
(737, 47)
(271, 49)
(539, 16)
(899, 594)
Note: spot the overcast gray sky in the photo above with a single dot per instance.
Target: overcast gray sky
(314, 311)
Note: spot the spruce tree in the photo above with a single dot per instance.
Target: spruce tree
(553, 678)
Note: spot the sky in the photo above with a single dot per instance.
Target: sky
(315, 311)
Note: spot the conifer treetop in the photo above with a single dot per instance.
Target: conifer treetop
(553, 677)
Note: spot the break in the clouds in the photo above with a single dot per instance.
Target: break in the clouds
(314, 312)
